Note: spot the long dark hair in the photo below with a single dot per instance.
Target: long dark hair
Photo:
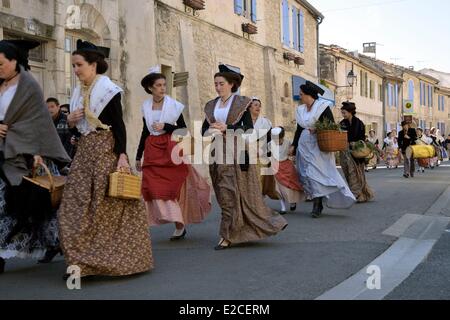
(94, 57)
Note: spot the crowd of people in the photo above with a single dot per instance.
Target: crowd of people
(87, 142)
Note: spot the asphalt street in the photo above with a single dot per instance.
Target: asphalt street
(307, 259)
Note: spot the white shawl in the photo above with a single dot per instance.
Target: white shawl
(171, 112)
(103, 92)
(307, 120)
(261, 128)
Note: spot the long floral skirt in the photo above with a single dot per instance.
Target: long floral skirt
(354, 172)
(245, 216)
(99, 234)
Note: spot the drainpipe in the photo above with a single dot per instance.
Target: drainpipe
(319, 22)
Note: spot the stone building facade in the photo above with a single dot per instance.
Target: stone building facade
(366, 92)
(188, 44)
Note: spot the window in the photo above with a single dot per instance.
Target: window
(295, 28)
(380, 92)
(372, 89)
(411, 90)
(361, 87)
(246, 8)
(301, 20)
(430, 96)
(421, 93)
(396, 95)
(366, 85)
(441, 103)
(285, 20)
(390, 89)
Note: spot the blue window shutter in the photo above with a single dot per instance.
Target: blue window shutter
(431, 97)
(253, 10)
(238, 6)
(302, 31)
(421, 94)
(396, 95)
(388, 94)
(295, 28)
(411, 90)
(286, 33)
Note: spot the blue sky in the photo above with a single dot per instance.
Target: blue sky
(410, 32)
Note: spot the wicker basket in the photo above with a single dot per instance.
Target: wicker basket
(125, 186)
(363, 153)
(54, 184)
(332, 140)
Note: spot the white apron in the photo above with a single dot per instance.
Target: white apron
(317, 169)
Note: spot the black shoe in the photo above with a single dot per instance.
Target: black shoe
(317, 209)
(176, 238)
(282, 213)
(222, 247)
(293, 207)
(2, 265)
(406, 176)
(50, 255)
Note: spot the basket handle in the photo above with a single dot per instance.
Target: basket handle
(49, 174)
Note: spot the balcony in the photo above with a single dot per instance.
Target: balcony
(195, 4)
(289, 56)
(249, 28)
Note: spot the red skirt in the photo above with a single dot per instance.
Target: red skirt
(288, 176)
(162, 178)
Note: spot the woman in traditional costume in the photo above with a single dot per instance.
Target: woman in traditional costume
(391, 151)
(258, 142)
(174, 192)
(373, 162)
(353, 168)
(101, 235)
(28, 138)
(287, 181)
(317, 170)
(245, 217)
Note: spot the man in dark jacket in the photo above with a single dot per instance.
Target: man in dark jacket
(60, 121)
(407, 137)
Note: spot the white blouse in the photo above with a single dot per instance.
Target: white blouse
(6, 99)
(156, 116)
(221, 114)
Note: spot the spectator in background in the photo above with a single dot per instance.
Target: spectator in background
(60, 122)
(65, 109)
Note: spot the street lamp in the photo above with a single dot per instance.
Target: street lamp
(351, 78)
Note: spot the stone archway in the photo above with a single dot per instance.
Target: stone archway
(86, 19)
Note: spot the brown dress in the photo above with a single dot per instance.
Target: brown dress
(101, 235)
(245, 217)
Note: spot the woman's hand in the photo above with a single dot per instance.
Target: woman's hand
(138, 166)
(38, 161)
(3, 130)
(75, 117)
(219, 126)
(313, 131)
(158, 127)
(123, 164)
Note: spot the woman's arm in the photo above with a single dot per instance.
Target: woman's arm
(145, 134)
(113, 116)
(170, 128)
